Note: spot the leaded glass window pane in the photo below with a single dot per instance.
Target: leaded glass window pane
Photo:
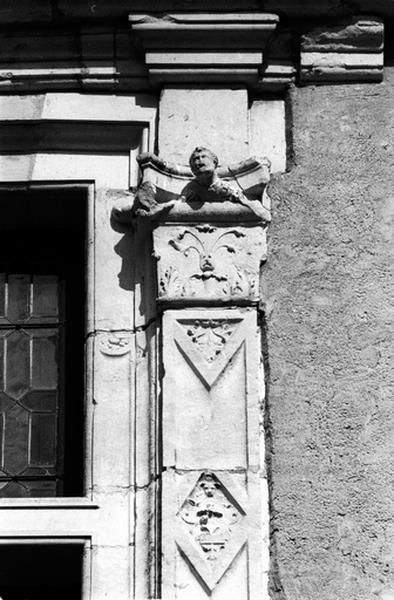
(31, 332)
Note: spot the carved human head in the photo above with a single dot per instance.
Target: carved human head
(209, 485)
(202, 161)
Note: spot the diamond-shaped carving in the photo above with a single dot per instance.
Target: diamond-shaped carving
(212, 530)
(209, 515)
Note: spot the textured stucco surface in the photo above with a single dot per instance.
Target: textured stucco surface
(330, 322)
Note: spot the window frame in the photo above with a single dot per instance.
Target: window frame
(73, 518)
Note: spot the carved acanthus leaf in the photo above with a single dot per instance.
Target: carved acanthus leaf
(210, 336)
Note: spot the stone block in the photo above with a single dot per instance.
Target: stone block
(113, 277)
(267, 127)
(107, 170)
(215, 423)
(349, 51)
(359, 34)
(145, 467)
(213, 545)
(111, 388)
(82, 107)
(110, 572)
(209, 262)
(216, 118)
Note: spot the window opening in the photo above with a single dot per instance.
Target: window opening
(41, 343)
(41, 571)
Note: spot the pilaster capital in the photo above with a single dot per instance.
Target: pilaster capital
(209, 227)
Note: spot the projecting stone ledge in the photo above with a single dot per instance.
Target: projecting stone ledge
(348, 52)
(210, 48)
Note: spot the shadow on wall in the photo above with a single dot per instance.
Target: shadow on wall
(137, 273)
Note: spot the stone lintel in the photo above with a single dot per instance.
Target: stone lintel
(204, 47)
(346, 52)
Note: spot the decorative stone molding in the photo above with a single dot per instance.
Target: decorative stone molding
(279, 68)
(206, 263)
(204, 47)
(244, 48)
(212, 517)
(208, 226)
(209, 230)
(214, 528)
(169, 189)
(351, 51)
(115, 344)
(73, 57)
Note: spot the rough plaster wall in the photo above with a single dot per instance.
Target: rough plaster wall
(330, 324)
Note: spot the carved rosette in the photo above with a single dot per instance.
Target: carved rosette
(115, 344)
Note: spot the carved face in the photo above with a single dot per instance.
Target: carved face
(202, 161)
(209, 487)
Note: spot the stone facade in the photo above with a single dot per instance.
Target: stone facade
(235, 161)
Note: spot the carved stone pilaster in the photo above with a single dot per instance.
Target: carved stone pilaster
(208, 229)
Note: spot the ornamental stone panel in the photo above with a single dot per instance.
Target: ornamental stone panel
(207, 226)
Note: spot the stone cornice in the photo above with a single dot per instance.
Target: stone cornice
(250, 49)
(247, 48)
(63, 11)
(204, 47)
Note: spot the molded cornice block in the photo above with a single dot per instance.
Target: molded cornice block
(348, 52)
(209, 30)
(69, 58)
(204, 47)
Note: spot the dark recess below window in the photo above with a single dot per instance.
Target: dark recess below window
(40, 572)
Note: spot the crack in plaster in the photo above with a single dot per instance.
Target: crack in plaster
(124, 330)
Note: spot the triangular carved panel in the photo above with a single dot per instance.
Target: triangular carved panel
(208, 345)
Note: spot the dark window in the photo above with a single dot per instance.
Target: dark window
(40, 572)
(41, 342)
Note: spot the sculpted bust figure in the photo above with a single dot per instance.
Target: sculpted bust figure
(206, 186)
(203, 163)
